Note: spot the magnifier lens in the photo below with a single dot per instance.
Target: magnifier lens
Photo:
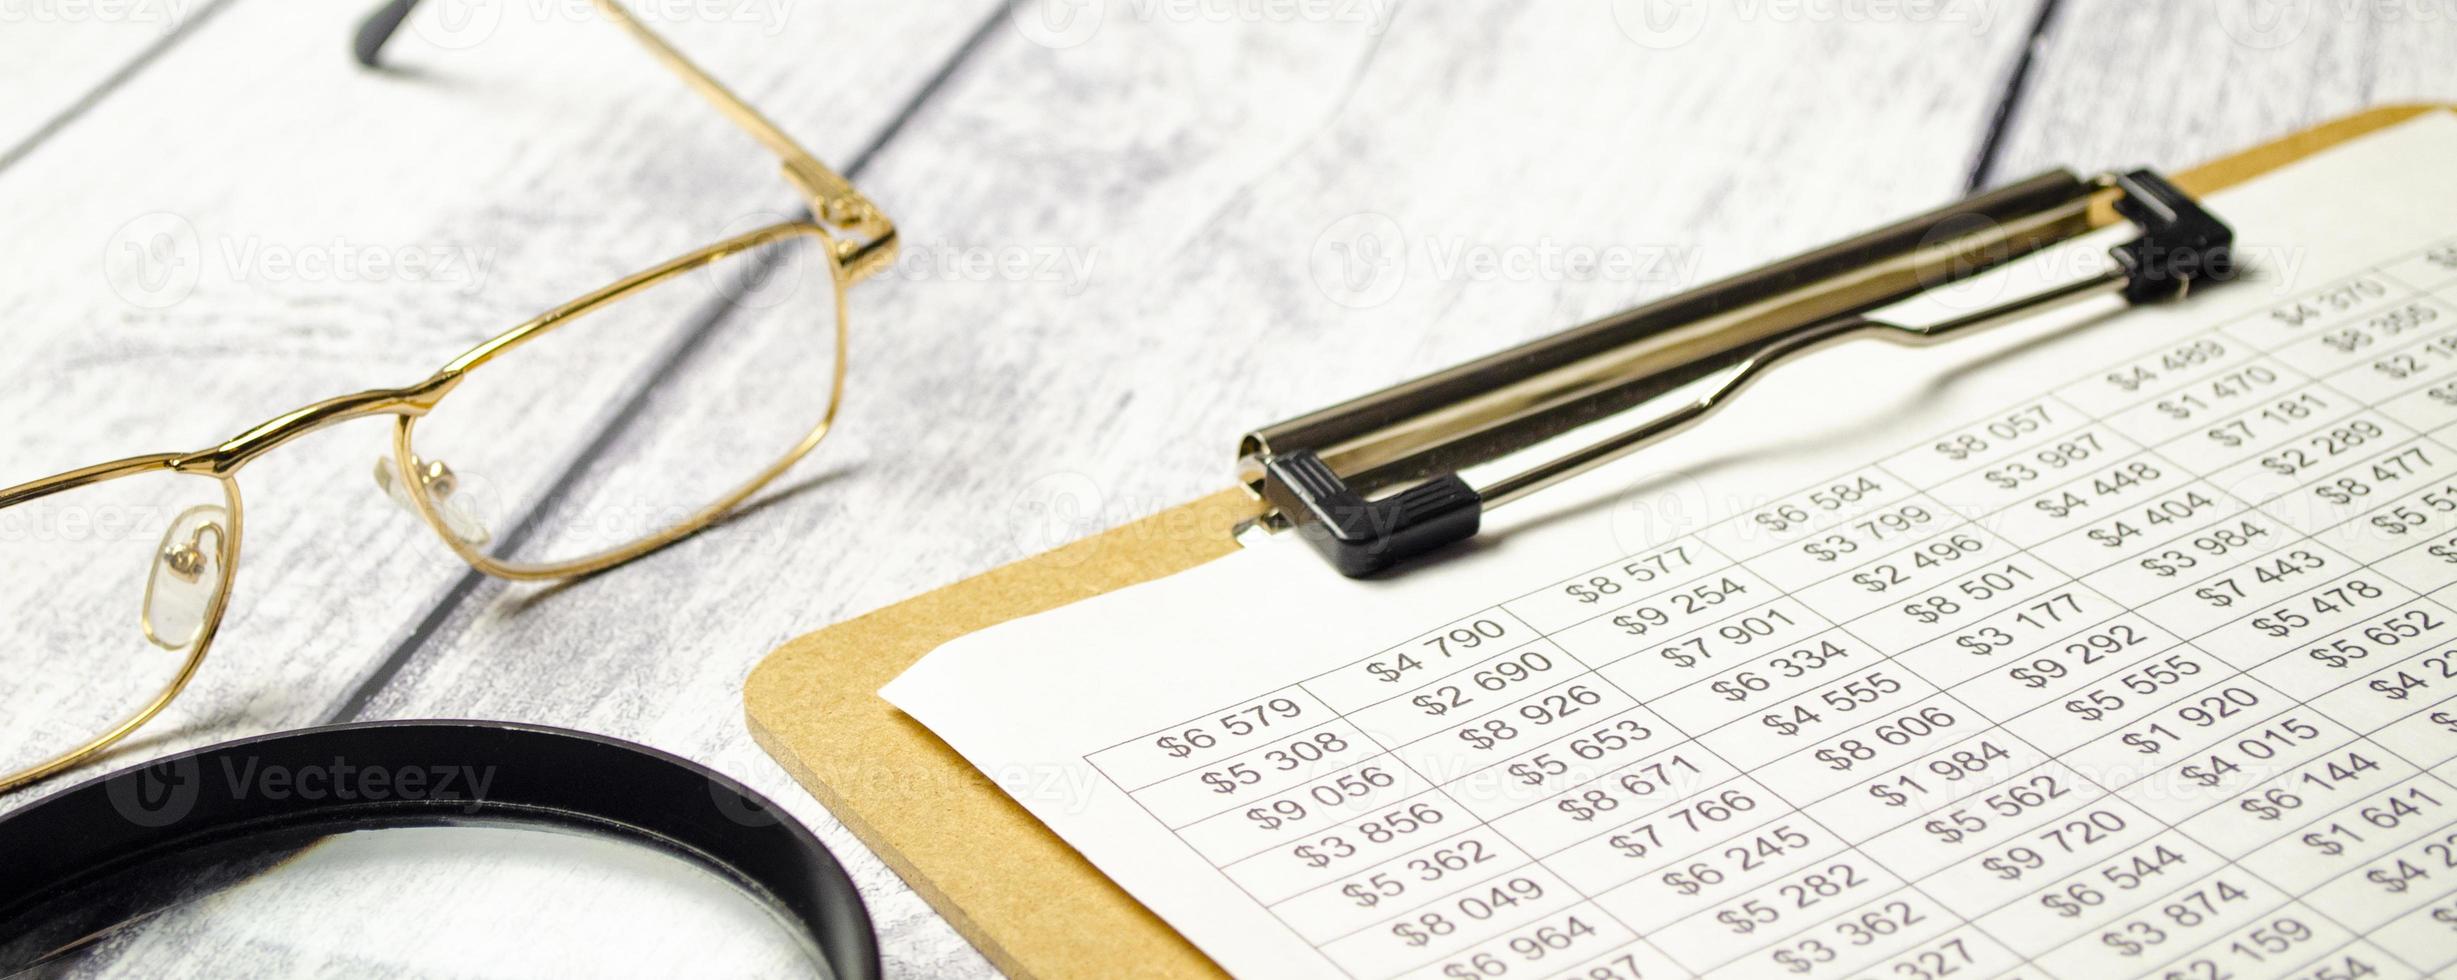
(423, 848)
(492, 900)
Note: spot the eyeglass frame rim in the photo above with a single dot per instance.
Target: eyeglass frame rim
(232, 538)
(836, 205)
(223, 463)
(431, 509)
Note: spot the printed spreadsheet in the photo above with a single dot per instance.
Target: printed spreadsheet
(2149, 670)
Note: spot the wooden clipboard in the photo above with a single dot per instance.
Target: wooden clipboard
(1024, 897)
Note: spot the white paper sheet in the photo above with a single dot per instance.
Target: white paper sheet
(2090, 648)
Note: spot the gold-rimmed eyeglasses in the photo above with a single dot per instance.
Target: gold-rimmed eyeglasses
(126, 567)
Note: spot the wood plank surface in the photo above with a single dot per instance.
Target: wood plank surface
(233, 234)
(65, 56)
(2125, 84)
(1129, 237)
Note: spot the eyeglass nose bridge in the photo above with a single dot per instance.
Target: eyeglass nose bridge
(227, 458)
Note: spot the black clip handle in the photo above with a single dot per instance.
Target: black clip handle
(2181, 242)
(1360, 536)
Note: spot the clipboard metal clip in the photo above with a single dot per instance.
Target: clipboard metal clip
(1375, 480)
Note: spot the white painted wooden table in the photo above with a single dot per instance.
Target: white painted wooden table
(1190, 172)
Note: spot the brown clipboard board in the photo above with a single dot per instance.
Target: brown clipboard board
(1032, 904)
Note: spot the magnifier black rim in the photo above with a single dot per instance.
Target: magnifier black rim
(540, 776)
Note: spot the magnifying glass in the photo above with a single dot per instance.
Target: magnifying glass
(449, 848)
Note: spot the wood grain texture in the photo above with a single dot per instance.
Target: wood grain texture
(64, 55)
(1188, 202)
(2170, 84)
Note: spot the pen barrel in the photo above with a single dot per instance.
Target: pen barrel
(1498, 404)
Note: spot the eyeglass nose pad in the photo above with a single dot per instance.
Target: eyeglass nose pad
(188, 577)
(443, 489)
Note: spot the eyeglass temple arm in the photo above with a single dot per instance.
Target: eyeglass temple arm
(378, 28)
(836, 201)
